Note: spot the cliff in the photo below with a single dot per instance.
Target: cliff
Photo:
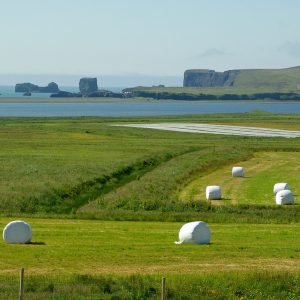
(272, 80)
(209, 78)
(28, 87)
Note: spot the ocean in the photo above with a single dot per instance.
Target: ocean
(151, 108)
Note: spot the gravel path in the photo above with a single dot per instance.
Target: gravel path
(219, 129)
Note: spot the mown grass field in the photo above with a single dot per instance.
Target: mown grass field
(262, 172)
(64, 251)
(108, 247)
(90, 189)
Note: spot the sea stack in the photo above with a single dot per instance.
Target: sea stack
(88, 86)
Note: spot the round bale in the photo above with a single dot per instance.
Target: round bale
(280, 187)
(213, 192)
(284, 197)
(237, 172)
(17, 232)
(194, 233)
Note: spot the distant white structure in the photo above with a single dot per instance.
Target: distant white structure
(194, 233)
(17, 232)
(284, 197)
(281, 186)
(237, 172)
(218, 129)
(213, 192)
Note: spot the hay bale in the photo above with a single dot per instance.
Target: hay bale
(280, 187)
(213, 192)
(284, 197)
(237, 172)
(17, 232)
(194, 233)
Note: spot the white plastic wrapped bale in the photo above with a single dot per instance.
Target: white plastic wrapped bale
(213, 192)
(194, 233)
(17, 232)
(284, 197)
(280, 187)
(237, 172)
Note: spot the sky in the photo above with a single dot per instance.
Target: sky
(150, 39)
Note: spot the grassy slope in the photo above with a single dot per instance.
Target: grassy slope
(246, 82)
(273, 79)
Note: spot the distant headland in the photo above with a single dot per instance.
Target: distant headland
(248, 84)
(275, 79)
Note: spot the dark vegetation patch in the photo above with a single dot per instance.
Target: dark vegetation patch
(242, 285)
(202, 96)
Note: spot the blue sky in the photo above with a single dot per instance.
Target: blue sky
(157, 37)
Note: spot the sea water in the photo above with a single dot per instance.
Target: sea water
(151, 108)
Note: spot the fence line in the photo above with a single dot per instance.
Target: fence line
(22, 275)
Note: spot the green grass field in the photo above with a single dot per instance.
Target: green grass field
(65, 250)
(106, 204)
(107, 247)
(263, 171)
(63, 165)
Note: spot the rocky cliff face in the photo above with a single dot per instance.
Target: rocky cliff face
(28, 87)
(209, 78)
(88, 86)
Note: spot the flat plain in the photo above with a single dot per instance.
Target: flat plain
(106, 204)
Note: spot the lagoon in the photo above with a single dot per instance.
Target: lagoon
(151, 108)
